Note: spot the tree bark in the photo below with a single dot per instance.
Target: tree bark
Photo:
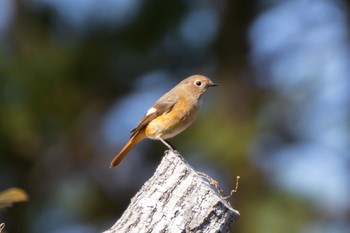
(176, 199)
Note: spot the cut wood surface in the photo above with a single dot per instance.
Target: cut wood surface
(176, 199)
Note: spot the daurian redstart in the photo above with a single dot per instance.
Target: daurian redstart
(170, 115)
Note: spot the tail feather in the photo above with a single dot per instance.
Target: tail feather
(136, 138)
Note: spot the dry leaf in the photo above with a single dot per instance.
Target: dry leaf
(11, 196)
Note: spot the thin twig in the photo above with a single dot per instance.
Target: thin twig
(217, 186)
(233, 190)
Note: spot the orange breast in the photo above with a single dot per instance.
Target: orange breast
(172, 123)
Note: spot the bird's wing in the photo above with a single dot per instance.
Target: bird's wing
(163, 105)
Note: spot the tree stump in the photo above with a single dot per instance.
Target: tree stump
(176, 199)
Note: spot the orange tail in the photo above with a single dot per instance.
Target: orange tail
(136, 138)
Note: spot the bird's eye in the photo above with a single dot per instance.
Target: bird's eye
(198, 83)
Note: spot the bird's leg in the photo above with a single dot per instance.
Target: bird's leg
(171, 145)
(167, 143)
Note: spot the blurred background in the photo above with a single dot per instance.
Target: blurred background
(77, 75)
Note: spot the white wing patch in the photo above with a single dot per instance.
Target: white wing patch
(150, 111)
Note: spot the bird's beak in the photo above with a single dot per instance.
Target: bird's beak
(213, 84)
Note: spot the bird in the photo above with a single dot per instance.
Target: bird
(170, 115)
